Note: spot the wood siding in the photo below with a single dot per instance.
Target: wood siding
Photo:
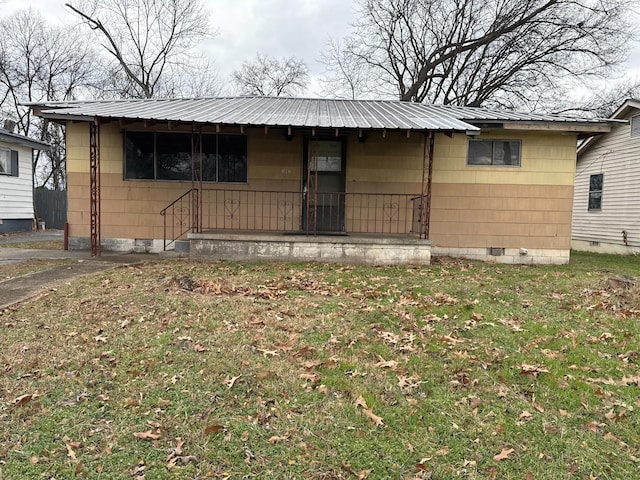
(16, 193)
(617, 156)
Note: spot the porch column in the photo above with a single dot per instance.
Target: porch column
(94, 186)
(427, 170)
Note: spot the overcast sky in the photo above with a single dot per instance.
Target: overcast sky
(280, 28)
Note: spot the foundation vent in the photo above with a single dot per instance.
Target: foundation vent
(594, 244)
(495, 251)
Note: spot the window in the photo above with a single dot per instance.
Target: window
(8, 162)
(167, 156)
(494, 152)
(595, 191)
(635, 126)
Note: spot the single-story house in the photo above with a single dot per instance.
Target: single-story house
(16, 181)
(273, 177)
(606, 205)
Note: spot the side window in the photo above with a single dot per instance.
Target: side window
(8, 162)
(635, 126)
(595, 191)
(494, 152)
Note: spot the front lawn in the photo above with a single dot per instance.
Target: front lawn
(178, 370)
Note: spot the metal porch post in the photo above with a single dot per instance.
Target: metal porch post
(94, 186)
(425, 200)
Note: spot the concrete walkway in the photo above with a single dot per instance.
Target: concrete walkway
(22, 288)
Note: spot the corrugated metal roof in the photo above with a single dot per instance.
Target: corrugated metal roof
(297, 112)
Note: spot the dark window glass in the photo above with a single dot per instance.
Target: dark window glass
(167, 156)
(232, 158)
(494, 152)
(173, 156)
(139, 155)
(595, 191)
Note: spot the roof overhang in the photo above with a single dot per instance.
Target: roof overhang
(21, 140)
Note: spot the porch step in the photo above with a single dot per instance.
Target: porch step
(182, 246)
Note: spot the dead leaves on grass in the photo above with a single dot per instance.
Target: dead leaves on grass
(362, 403)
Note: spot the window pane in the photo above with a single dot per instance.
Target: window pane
(595, 200)
(595, 182)
(232, 158)
(173, 155)
(506, 153)
(326, 156)
(208, 156)
(480, 152)
(138, 155)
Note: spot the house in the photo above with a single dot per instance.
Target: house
(606, 206)
(16, 181)
(334, 180)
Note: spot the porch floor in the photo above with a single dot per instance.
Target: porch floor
(383, 249)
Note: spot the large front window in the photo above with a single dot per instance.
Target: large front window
(167, 156)
(494, 152)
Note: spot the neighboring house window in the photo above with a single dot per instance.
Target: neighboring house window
(595, 191)
(635, 126)
(494, 152)
(8, 162)
(167, 156)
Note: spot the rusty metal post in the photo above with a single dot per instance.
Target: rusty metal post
(94, 186)
(427, 207)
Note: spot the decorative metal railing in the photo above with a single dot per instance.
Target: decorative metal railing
(299, 212)
(180, 217)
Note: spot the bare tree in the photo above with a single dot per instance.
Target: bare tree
(601, 101)
(42, 63)
(270, 76)
(346, 75)
(151, 42)
(479, 52)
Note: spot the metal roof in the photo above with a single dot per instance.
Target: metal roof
(297, 112)
(10, 137)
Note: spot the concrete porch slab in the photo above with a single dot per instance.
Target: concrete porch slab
(368, 249)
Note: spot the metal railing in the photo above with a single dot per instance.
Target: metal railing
(299, 212)
(180, 217)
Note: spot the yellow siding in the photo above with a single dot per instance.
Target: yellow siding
(527, 206)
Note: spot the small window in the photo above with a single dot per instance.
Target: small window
(8, 162)
(494, 152)
(595, 191)
(635, 126)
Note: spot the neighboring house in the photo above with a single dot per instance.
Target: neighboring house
(16, 181)
(606, 206)
(370, 181)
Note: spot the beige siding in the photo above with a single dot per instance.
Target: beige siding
(617, 156)
(16, 193)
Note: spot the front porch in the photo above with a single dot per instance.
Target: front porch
(232, 224)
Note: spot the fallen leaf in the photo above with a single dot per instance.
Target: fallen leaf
(361, 402)
(524, 414)
(212, 429)
(443, 451)
(503, 455)
(373, 417)
(277, 439)
(24, 399)
(230, 382)
(148, 435)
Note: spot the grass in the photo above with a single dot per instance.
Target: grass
(177, 370)
(12, 270)
(39, 245)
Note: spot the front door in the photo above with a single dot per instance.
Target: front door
(323, 186)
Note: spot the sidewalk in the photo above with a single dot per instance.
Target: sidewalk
(27, 286)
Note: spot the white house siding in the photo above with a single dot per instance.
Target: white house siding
(16, 193)
(617, 156)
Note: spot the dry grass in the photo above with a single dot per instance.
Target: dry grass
(258, 370)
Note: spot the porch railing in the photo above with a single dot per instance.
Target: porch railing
(180, 217)
(300, 212)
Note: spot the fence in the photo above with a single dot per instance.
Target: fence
(51, 206)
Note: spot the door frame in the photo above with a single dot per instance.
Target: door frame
(343, 180)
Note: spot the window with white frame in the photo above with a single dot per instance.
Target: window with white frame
(8, 162)
(595, 191)
(635, 126)
(494, 152)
